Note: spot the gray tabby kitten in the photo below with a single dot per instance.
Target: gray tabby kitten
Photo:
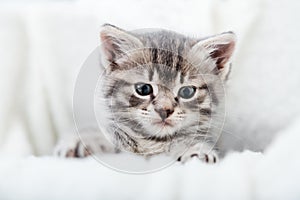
(163, 93)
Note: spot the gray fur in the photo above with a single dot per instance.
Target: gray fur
(166, 60)
(161, 121)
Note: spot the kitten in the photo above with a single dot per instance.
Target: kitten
(163, 93)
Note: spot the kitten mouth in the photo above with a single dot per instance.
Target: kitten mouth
(164, 123)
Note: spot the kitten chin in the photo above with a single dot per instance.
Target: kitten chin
(163, 93)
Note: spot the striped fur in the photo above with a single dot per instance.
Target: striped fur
(167, 61)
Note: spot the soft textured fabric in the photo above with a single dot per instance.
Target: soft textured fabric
(247, 175)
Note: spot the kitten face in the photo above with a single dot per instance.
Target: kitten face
(151, 100)
(171, 106)
(155, 82)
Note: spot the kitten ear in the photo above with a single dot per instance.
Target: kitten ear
(115, 43)
(220, 49)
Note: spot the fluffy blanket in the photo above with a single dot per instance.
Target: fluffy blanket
(247, 175)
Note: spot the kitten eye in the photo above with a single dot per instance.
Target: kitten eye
(187, 92)
(143, 89)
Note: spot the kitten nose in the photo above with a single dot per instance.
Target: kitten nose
(164, 113)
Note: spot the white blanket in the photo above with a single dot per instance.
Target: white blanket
(247, 175)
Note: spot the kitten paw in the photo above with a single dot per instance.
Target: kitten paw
(208, 157)
(82, 147)
(74, 149)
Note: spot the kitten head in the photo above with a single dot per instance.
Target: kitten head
(160, 83)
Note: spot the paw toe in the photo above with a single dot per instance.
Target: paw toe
(210, 158)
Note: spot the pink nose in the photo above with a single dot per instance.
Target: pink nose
(164, 113)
